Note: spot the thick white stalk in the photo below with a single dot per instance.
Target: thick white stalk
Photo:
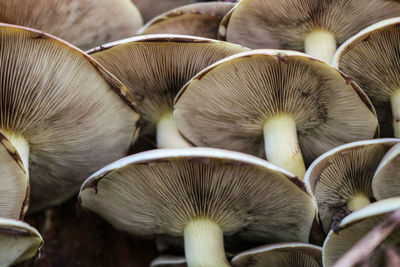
(395, 99)
(168, 135)
(22, 147)
(204, 244)
(359, 201)
(281, 145)
(320, 44)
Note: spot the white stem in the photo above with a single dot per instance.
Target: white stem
(168, 135)
(204, 244)
(281, 145)
(359, 201)
(395, 99)
(22, 147)
(320, 44)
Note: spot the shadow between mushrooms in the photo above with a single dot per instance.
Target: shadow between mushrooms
(202, 194)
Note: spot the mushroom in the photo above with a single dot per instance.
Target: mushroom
(151, 8)
(313, 26)
(172, 261)
(65, 115)
(200, 19)
(372, 59)
(154, 68)
(18, 242)
(202, 194)
(280, 255)
(14, 183)
(76, 21)
(355, 226)
(341, 179)
(283, 104)
(386, 181)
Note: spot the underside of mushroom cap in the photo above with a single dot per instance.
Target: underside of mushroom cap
(64, 105)
(200, 19)
(285, 24)
(155, 67)
(280, 255)
(151, 8)
(172, 261)
(386, 182)
(14, 183)
(162, 191)
(228, 104)
(372, 59)
(341, 179)
(356, 226)
(18, 242)
(76, 21)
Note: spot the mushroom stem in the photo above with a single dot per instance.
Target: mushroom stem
(359, 201)
(22, 147)
(320, 44)
(395, 99)
(204, 244)
(281, 145)
(167, 133)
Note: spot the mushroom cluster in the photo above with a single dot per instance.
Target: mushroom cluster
(234, 133)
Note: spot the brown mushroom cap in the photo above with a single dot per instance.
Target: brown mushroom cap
(280, 255)
(372, 59)
(343, 174)
(152, 8)
(286, 24)
(76, 21)
(18, 242)
(386, 182)
(155, 68)
(161, 191)
(14, 183)
(356, 226)
(227, 104)
(172, 261)
(73, 115)
(200, 19)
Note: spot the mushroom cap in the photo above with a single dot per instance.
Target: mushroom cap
(280, 255)
(355, 226)
(151, 8)
(164, 261)
(14, 183)
(372, 59)
(227, 108)
(76, 21)
(285, 24)
(386, 181)
(200, 19)
(65, 105)
(339, 174)
(18, 241)
(155, 68)
(161, 191)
